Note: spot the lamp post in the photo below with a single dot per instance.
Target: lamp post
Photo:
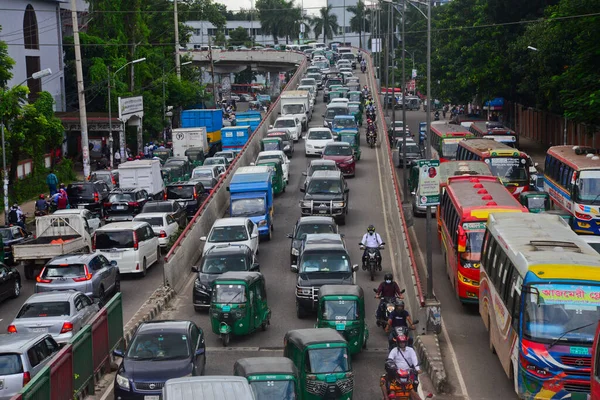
(36, 75)
(122, 134)
(164, 90)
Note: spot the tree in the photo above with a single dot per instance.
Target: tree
(291, 17)
(269, 14)
(239, 36)
(359, 22)
(326, 23)
(220, 39)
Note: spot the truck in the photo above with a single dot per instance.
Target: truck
(235, 137)
(186, 138)
(297, 103)
(252, 118)
(251, 196)
(55, 235)
(211, 120)
(143, 174)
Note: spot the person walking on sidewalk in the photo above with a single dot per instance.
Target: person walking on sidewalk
(52, 182)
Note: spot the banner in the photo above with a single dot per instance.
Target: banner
(131, 107)
(429, 182)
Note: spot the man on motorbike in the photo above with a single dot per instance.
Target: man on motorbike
(405, 359)
(365, 91)
(390, 382)
(387, 289)
(363, 66)
(398, 318)
(41, 205)
(370, 240)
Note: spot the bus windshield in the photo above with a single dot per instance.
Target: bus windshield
(588, 187)
(508, 168)
(449, 148)
(560, 308)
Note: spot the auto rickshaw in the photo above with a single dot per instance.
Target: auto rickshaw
(322, 358)
(330, 55)
(344, 91)
(269, 377)
(352, 137)
(336, 94)
(355, 96)
(356, 110)
(277, 180)
(271, 143)
(239, 305)
(172, 173)
(183, 162)
(195, 155)
(342, 307)
(535, 201)
(163, 154)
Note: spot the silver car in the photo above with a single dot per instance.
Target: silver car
(91, 274)
(61, 314)
(22, 356)
(93, 220)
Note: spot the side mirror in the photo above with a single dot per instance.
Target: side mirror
(254, 236)
(227, 188)
(416, 321)
(270, 126)
(201, 351)
(255, 267)
(302, 189)
(252, 164)
(355, 267)
(289, 235)
(323, 115)
(279, 113)
(203, 238)
(195, 269)
(304, 173)
(294, 268)
(346, 190)
(118, 353)
(113, 263)
(342, 235)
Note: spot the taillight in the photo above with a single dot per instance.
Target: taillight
(26, 378)
(113, 180)
(165, 196)
(11, 329)
(584, 217)
(86, 277)
(39, 278)
(162, 234)
(94, 242)
(133, 204)
(67, 327)
(195, 194)
(135, 241)
(96, 197)
(107, 205)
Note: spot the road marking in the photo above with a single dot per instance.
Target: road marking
(461, 381)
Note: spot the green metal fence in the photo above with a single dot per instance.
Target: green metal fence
(83, 363)
(114, 310)
(39, 387)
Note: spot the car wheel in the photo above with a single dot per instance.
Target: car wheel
(16, 289)
(144, 270)
(117, 284)
(157, 254)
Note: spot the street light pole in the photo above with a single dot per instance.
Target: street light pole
(428, 151)
(176, 25)
(110, 132)
(403, 86)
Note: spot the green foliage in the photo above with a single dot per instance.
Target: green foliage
(279, 18)
(325, 24)
(359, 21)
(220, 39)
(6, 64)
(239, 37)
(173, 239)
(32, 186)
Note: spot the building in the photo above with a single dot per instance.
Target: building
(202, 30)
(344, 34)
(32, 31)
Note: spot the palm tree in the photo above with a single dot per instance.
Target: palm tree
(269, 14)
(326, 23)
(289, 21)
(359, 23)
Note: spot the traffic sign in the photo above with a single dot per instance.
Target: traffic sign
(429, 182)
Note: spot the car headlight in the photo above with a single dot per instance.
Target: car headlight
(309, 146)
(200, 286)
(338, 204)
(295, 252)
(286, 147)
(305, 204)
(304, 291)
(262, 222)
(325, 124)
(123, 382)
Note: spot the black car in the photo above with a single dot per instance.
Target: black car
(159, 351)
(190, 195)
(288, 143)
(216, 261)
(10, 282)
(110, 177)
(323, 260)
(10, 236)
(170, 206)
(88, 195)
(124, 204)
(208, 183)
(305, 226)
(413, 152)
(326, 195)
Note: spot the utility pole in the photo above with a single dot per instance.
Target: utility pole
(403, 88)
(110, 132)
(386, 58)
(393, 7)
(177, 62)
(212, 71)
(428, 151)
(85, 150)
(344, 28)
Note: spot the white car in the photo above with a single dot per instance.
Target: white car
(93, 220)
(341, 101)
(292, 124)
(277, 154)
(592, 240)
(236, 230)
(162, 223)
(309, 81)
(316, 139)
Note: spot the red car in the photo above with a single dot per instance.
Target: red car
(343, 155)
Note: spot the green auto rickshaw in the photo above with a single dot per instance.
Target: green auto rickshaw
(322, 358)
(172, 173)
(344, 91)
(195, 155)
(276, 166)
(163, 154)
(356, 110)
(336, 94)
(342, 307)
(239, 305)
(352, 137)
(330, 55)
(355, 96)
(271, 143)
(535, 201)
(183, 162)
(269, 377)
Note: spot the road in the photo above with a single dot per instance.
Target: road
(480, 368)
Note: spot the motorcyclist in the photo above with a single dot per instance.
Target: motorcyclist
(436, 116)
(389, 381)
(16, 216)
(371, 239)
(41, 205)
(405, 359)
(398, 318)
(363, 65)
(365, 92)
(387, 289)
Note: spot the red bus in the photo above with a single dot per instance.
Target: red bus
(508, 164)
(464, 209)
(595, 389)
(445, 138)
(494, 130)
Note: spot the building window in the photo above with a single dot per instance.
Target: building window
(30, 29)
(348, 30)
(340, 30)
(32, 64)
(212, 31)
(197, 32)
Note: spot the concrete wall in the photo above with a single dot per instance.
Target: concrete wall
(186, 252)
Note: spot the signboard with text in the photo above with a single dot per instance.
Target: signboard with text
(429, 182)
(131, 107)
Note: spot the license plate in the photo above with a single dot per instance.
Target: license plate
(80, 206)
(120, 207)
(322, 211)
(340, 327)
(39, 330)
(151, 397)
(226, 308)
(582, 351)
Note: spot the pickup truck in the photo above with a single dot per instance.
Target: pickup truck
(55, 235)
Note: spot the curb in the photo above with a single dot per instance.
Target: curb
(148, 311)
(433, 363)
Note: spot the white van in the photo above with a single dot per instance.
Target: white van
(133, 245)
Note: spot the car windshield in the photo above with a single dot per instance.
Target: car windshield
(153, 221)
(328, 360)
(113, 240)
(283, 390)
(120, 197)
(46, 309)
(263, 157)
(319, 135)
(595, 246)
(411, 148)
(225, 154)
(10, 364)
(333, 111)
(5, 233)
(588, 188)
(340, 310)
(80, 190)
(509, 168)
(324, 186)
(222, 264)
(63, 271)
(104, 177)
(158, 207)
(229, 294)
(325, 262)
(159, 346)
(284, 123)
(338, 151)
(537, 203)
(214, 161)
(321, 167)
(202, 173)
(248, 207)
(234, 233)
(174, 163)
(354, 97)
(552, 310)
(291, 109)
(332, 82)
(305, 229)
(315, 76)
(344, 123)
(353, 108)
(271, 145)
(449, 148)
(180, 192)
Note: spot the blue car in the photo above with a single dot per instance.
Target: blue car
(343, 123)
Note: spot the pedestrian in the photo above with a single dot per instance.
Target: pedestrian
(16, 216)
(146, 151)
(63, 200)
(52, 182)
(117, 157)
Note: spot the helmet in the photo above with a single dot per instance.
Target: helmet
(42, 196)
(388, 277)
(401, 340)
(371, 229)
(390, 366)
(400, 303)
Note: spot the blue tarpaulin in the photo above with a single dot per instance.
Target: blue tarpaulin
(495, 104)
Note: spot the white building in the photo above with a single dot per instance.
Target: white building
(339, 8)
(32, 31)
(203, 29)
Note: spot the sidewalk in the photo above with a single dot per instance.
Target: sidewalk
(535, 150)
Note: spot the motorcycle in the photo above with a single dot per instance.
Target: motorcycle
(371, 115)
(373, 260)
(363, 68)
(389, 303)
(436, 116)
(371, 137)
(403, 386)
(401, 330)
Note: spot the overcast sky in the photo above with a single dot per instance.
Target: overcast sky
(311, 6)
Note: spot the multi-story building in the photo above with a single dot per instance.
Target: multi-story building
(203, 30)
(344, 33)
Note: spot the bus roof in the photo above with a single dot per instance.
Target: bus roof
(568, 155)
(544, 239)
(444, 129)
(490, 148)
(491, 128)
(461, 168)
(480, 195)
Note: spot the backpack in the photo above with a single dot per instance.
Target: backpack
(13, 217)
